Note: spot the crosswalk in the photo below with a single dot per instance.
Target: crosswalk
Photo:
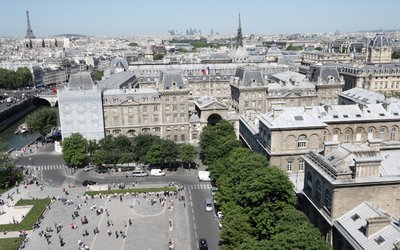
(204, 186)
(49, 167)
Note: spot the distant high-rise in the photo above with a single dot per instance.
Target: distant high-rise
(29, 32)
(239, 37)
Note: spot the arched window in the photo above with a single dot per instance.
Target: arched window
(317, 194)
(309, 183)
(382, 133)
(393, 134)
(335, 135)
(371, 133)
(347, 135)
(359, 134)
(302, 142)
(328, 200)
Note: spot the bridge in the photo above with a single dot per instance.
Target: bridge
(49, 96)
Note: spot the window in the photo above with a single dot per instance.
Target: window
(317, 194)
(301, 165)
(382, 133)
(393, 134)
(130, 110)
(370, 133)
(302, 143)
(309, 183)
(155, 108)
(358, 134)
(379, 240)
(130, 120)
(157, 129)
(355, 217)
(175, 137)
(289, 165)
(144, 109)
(328, 200)
(145, 119)
(155, 118)
(335, 135)
(182, 137)
(347, 134)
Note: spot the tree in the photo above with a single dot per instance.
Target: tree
(158, 56)
(74, 150)
(396, 54)
(133, 44)
(141, 144)
(318, 48)
(92, 146)
(188, 154)
(98, 75)
(295, 48)
(42, 120)
(9, 175)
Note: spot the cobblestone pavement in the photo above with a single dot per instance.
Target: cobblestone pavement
(153, 223)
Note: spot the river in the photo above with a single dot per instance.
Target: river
(14, 141)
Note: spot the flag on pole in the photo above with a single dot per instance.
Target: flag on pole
(205, 71)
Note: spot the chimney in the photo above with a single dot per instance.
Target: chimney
(374, 224)
(375, 144)
(277, 112)
(330, 146)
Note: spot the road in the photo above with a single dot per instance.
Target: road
(51, 170)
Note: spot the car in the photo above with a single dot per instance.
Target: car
(88, 183)
(139, 173)
(101, 170)
(214, 190)
(89, 168)
(203, 244)
(220, 215)
(208, 203)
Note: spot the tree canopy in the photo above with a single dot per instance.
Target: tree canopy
(98, 75)
(74, 150)
(257, 200)
(396, 54)
(188, 154)
(10, 79)
(42, 120)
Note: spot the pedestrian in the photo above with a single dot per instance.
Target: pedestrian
(109, 232)
(116, 234)
(125, 223)
(130, 222)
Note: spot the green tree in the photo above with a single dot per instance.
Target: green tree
(9, 175)
(98, 75)
(155, 154)
(23, 77)
(396, 54)
(100, 157)
(74, 150)
(158, 56)
(170, 151)
(188, 154)
(42, 120)
(318, 48)
(141, 144)
(92, 146)
(294, 48)
(133, 44)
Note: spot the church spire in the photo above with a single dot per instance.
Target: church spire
(239, 37)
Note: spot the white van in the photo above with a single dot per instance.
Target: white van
(139, 173)
(157, 172)
(204, 175)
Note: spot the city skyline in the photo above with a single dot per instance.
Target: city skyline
(125, 18)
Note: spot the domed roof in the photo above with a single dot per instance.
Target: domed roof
(379, 41)
(274, 51)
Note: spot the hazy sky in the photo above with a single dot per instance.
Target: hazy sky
(129, 17)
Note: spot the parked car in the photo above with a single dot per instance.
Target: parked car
(139, 173)
(88, 183)
(203, 244)
(214, 190)
(89, 168)
(208, 203)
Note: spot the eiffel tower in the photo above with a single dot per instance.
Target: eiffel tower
(29, 31)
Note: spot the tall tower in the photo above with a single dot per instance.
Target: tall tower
(239, 37)
(29, 32)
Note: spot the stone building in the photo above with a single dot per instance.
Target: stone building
(379, 50)
(284, 134)
(338, 180)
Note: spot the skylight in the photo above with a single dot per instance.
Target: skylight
(346, 116)
(379, 240)
(358, 115)
(335, 116)
(381, 114)
(355, 217)
(298, 118)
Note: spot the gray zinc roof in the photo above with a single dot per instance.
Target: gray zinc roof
(351, 226)
(323, 73)
(80, 81)
(119, 80)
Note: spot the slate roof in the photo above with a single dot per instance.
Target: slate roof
(170, 78)
(117, 62)
(249, 76)
(323, 73)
